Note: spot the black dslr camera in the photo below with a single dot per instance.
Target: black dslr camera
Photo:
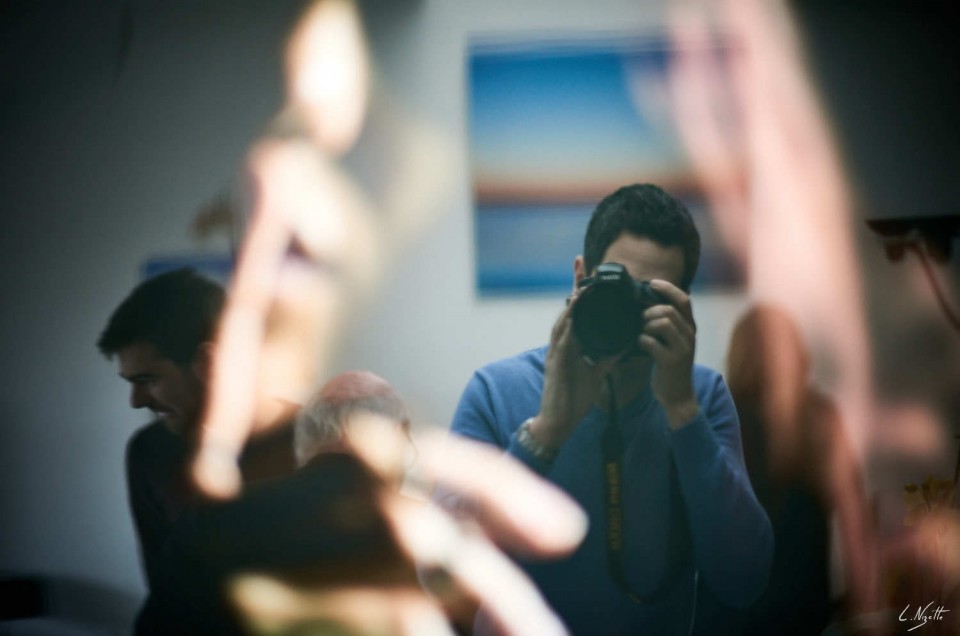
(608, 315)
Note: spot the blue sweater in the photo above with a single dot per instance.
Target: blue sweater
(695, 534)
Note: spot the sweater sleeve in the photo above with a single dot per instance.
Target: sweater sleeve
(732, 536)
(481, 416)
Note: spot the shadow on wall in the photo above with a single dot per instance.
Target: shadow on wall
(37, 604)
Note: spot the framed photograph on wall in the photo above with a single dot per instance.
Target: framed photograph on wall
(555, 125)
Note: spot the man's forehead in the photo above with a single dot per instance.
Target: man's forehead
(646, 258)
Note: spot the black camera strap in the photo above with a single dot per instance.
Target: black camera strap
(611, 446)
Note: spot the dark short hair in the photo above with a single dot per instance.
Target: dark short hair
(645, 210)
(175, 312)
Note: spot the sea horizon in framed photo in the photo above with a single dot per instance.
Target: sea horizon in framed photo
(555, 124)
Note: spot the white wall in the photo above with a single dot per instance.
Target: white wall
(100, 169)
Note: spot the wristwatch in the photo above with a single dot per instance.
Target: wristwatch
(532, 445)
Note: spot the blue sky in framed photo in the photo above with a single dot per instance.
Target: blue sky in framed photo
(555, 125)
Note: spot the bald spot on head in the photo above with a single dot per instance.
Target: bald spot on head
(320, 424)
(354, 385)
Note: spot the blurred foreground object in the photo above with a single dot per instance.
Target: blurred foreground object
(309, 245)
(460, 567)
(845, 110)
(335, 547)
(317, 241)
(791, 193)
(805, 475)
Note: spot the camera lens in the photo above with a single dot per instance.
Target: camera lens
(606, 320)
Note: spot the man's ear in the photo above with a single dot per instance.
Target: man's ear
(579, 271)
(202, 364)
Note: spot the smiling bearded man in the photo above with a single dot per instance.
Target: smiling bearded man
(162, 337)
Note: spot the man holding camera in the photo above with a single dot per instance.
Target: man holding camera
(616, 413)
